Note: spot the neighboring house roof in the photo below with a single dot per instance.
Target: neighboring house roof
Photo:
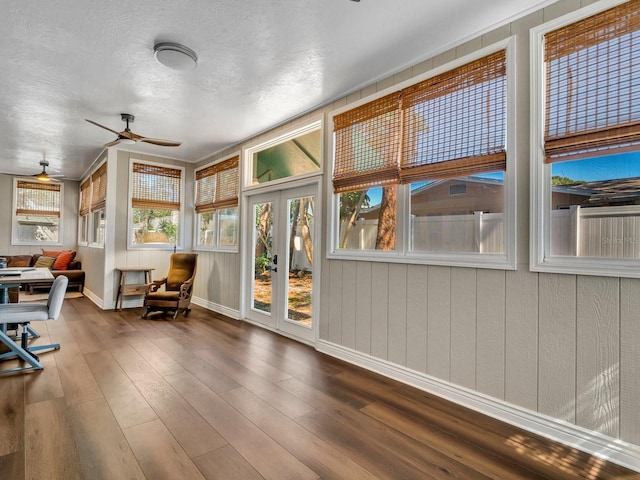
(623, 190)
(602, 192)
(430, 185)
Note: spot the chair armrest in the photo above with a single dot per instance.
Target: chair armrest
(185, 288)
(156, 284)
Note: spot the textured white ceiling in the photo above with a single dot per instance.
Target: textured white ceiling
(261, 62)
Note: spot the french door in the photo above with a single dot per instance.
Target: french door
(281, 294)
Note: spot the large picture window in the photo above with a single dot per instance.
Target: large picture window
(37, 213)
(421, 173)
(156, 205)
(216, 205)
(587, 153)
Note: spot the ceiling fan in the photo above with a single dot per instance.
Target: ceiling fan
(43, 176)
(128, 137)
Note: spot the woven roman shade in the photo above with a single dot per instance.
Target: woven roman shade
(367, 144)
(217, 186)
(593, 85)
(455, 123)
(38, 199)
(85, 197)
(99, 188)
(155, 187)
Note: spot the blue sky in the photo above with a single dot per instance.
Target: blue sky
(608, 167)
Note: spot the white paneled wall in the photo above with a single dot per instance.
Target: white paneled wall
(551, 343)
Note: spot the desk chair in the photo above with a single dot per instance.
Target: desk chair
(23, 314)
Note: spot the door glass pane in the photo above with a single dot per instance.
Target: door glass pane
(262, 242)
(300, 260)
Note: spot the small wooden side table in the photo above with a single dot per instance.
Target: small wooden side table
(126, 289)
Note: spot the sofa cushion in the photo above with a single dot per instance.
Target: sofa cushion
(44, 261)
(63, 260)
(19, 260)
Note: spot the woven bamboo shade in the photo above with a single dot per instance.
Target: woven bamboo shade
(85, 197)
(38, 198)
(156, 187)
(217, 186)
(593, 85)
(367, 144)
(455, 123)
(99, 188)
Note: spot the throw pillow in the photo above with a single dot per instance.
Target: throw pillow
(63, 260)
(53, 253)
(44, 261)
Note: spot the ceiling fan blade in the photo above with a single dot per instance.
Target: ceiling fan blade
(101, 126)
(111, 144)
(158, 141)
(130, 135)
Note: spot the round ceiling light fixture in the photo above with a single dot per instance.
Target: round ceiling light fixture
(175, 56)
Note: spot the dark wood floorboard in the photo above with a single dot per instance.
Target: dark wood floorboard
(208, 397)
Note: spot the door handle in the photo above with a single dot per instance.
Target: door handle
(275, 259)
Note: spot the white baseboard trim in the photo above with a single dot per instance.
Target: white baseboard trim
(215, 307)
(594, 443)
(93, 297)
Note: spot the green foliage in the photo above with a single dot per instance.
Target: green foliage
(170, 228)
(349, 202)
(262, 262)
(560, 180)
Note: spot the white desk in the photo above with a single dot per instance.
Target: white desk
(9, 277)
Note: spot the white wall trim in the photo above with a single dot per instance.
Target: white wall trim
(594, 443)
(94, 298)
(216, 307)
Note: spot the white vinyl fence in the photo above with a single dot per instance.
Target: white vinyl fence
(477, 232)
(612, 232)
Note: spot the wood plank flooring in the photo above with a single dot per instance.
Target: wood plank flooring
(207, 397)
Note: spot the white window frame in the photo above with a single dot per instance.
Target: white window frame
(196, 222)
(403, 254)
(92, 230)
(14, 220)
(539, 258)
(83, 230)
(246, 174)
(181, 220)
(89, 233)
(84, 227)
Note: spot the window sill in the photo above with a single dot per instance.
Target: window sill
(466, 260)
(231, 249)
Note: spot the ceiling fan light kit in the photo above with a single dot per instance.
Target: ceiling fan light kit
(175, 56)
(43, 176)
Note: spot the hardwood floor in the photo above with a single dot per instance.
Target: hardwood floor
(209, 397)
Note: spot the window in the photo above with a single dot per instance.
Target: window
(421, 174)
(83, 212)
(156, 205)
(216, 205)
(93, 198)
(295, 154)
(98, 204)
(586, 171)
(37, 212)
